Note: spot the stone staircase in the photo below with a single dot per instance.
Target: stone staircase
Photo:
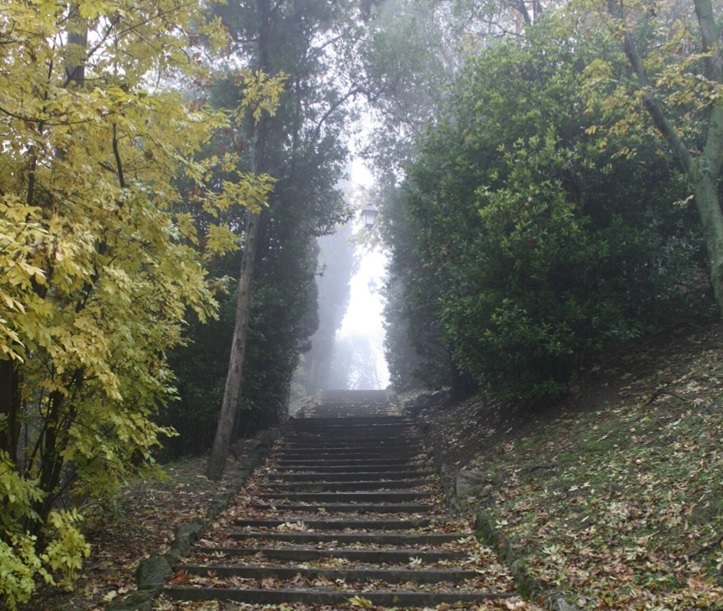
(346, 514)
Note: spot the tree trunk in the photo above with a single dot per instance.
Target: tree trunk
(225, 427)
(9, 407)
(704, 170)
(222, 441)
(709, 210)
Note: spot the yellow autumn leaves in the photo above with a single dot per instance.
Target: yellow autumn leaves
(102, 171)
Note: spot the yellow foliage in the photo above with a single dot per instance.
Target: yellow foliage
(672, 65)
(261, 92)
(99, 256)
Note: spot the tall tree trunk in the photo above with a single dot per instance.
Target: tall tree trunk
(707, 201)
(224, 429)
(219, 451)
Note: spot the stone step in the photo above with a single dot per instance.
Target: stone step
(335, 486)
(334, 477)
(356, 468)
(347, 538)
(348, 422)
(388, 575)
(378, 447)
(342, 458)
(358, 433)
(379, 464)
(347, 431)
(358, 436)
(339, 525)
(351, 433)
(339, 444)
(339, 428)
(301, 553)
(319, 453)
(324, 596)
(364, 397)
(348, 508)
(394, 496)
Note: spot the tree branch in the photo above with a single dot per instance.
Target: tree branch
(354, 91)
(522, 10)
(116, 154)
(650, 100)
(710, 34)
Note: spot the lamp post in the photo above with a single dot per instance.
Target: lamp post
(369, 214)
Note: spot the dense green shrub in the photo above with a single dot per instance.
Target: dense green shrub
(535, 244)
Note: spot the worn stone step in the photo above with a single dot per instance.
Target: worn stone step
(392, 496)
(315, 454)
(351, 476)
(347, 538)
(356, 485)
(349, 507)
(323, 596)
(379, 464)
(387, 575)
(349, 427)
(344, 466)
(301, 553)
(346, 458)
(364, 397)
(340, 525)
(357, 434)
(355, 467)
(390, 446)
(377, 448)
(351, 433)
(373, 420)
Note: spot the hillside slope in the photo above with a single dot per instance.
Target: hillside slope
(614, 497)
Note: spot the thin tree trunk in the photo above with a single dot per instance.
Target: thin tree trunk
(9, 407)
(224, 429)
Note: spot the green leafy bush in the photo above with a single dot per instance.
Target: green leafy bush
(534, 244)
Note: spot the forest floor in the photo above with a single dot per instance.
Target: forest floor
(141, 521)
(613, 497)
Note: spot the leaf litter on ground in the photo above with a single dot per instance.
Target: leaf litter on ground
(615, 498)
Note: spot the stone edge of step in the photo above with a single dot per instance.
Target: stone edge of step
(329, 596)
